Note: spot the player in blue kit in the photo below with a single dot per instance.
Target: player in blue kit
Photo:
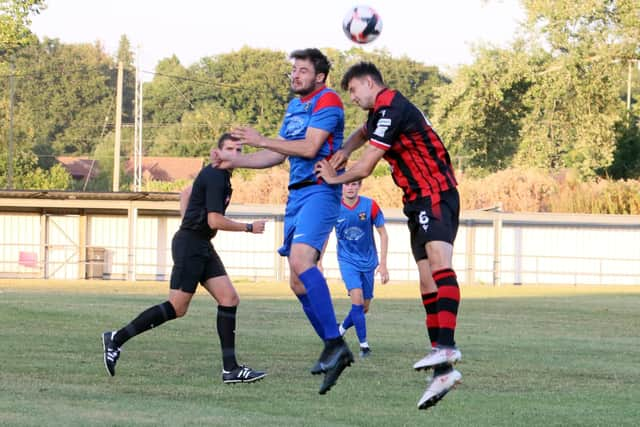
(358, 257)
(312, 130)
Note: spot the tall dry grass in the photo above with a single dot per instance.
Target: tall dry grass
(514, 190)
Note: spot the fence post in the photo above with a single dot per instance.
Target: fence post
(44, 244)
(278, 237)
(82, 246)
(497, 244)
(132, 214)
(470, 252)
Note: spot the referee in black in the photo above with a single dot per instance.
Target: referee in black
(195, 261)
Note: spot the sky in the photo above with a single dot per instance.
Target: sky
(435, 32)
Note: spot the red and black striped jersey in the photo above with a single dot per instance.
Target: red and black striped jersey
(420, 163)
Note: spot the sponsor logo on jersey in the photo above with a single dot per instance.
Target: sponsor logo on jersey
(381, 127)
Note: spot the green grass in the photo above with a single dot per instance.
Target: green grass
(547, 360)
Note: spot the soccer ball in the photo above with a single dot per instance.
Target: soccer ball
(362, 24)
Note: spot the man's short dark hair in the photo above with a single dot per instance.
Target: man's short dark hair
(320, 62)
(225, 137)
(359, 70)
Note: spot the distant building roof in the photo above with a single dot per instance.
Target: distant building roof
(168, 168)
(79, 167)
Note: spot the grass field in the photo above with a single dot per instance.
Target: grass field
(549, 356)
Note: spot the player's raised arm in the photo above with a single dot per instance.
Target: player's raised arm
(360, 170)
(306, 148)
(353, 142)
(259, 160)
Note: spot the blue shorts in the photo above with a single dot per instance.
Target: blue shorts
(354, 279)
(310, 215)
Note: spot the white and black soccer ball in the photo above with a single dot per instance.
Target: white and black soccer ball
(362, 24)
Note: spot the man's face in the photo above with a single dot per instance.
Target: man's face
(229, 149)
(304, 79)
(361, 92)
(350, 190)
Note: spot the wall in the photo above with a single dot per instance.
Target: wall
(131, 239)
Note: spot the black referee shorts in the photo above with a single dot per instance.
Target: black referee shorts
(428, 223)
(194, 261)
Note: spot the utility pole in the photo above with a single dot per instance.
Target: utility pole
(116, 148)
(12, 90)
(137, 128)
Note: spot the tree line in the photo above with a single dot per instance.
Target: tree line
(561, 97)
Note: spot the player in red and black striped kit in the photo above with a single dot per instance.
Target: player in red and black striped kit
(401, 134)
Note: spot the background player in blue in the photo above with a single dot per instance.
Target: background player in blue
(358, 257)
(312, 130)
(202, 207)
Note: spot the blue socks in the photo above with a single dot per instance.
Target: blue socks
(357, 317)
(313, 319)
(320, 302)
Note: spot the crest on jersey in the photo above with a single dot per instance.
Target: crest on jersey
(295, 126)
(362, 216)
(353, 233)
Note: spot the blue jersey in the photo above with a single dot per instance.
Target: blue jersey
(321, 109)
(354, 232)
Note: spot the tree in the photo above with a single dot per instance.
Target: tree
(575, 102)
(626, 158)
(418, 82)
(168, 96)
(252, 84)
(195, 134)
(125, 55)
(187, 109)
(14, 24)
(28, 175)
(573, 112)
(63, 95)
(479, 114)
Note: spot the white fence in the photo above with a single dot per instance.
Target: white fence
(128, 236)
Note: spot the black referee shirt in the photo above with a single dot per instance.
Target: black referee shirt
(211, 192)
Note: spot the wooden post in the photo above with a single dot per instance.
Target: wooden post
(116, 146)
(12, 90)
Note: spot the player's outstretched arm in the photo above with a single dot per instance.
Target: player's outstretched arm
(384, 247)
(360, 170)
(307, 147)
(259, 160)
(217, 221)
(353, 142)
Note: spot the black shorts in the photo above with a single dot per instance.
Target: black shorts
(194, 261)
(428, 223)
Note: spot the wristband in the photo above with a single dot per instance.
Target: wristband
(248, 228)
